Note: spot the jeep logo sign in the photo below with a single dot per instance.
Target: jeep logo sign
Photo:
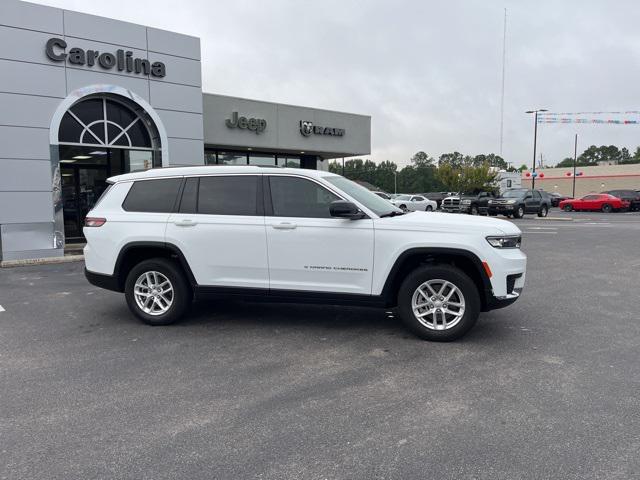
(308, 128)
(257, 125)
(122, 60)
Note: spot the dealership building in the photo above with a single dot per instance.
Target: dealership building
(83, 98)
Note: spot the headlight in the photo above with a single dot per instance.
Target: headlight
(465, 202)
(511, 241)
(490, 202)
(511, 201)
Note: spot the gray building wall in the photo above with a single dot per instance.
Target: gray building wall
(283, 128)
(32, 87)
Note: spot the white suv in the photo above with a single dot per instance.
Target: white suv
(165, 236)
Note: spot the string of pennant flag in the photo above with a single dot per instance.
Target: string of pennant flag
(609, 121)
(571, 117)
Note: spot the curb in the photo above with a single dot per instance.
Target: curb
(41, 261)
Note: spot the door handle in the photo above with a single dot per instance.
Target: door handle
(284, 226)
(185, 222)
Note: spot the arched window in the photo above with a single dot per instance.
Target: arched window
(107, 122)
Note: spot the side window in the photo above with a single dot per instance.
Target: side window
(189, 201)
(536, 195)
(418, 199)
(228, 195)
(156, 196)
(299, 197)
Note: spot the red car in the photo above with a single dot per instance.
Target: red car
(596, 201)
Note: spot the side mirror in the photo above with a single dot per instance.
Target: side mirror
(344, 209)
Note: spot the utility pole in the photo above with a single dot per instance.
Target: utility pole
(504, 59)
(575, 160)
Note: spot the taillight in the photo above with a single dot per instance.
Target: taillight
(94, 222)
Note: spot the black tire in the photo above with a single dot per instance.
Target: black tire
(182, 294)
(403, 208)
(519, 213)
(474, 210)
(429, 208)
(567, 208)
(544, 211)
(441, 272)
(606, 208)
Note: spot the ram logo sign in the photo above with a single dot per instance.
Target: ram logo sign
(308, 128)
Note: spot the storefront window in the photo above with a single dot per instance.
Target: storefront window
(262, 159)
(290, 162)
(210, 158)
(231, 158)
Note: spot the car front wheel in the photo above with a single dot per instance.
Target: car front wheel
(438, 303)
(519, 213)
(474, 210)
(429, 208)
(157, 291)
(567, 208)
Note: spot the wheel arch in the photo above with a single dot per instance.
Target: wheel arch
(414, 257)
(135, 252)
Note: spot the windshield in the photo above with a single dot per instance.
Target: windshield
(373, 202)
(514, 193)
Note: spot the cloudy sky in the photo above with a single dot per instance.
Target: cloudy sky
(428, 72)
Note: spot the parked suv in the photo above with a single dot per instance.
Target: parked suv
(472, 203)
(515, 203)
(165, 236)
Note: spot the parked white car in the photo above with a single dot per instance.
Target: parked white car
(167, 235)
(414, 203)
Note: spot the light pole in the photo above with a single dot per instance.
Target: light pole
(535, 140)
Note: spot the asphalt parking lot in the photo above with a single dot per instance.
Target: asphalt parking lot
(548, 388)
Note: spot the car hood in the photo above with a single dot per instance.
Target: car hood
(427, 221)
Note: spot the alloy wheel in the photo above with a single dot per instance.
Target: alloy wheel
(153, 293)
(438, 304)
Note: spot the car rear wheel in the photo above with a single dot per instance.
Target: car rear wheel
(157, 292)
(438, 303)
(606, 208)
(567, 208)
(544, 211)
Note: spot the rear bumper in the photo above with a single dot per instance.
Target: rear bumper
(108, 282)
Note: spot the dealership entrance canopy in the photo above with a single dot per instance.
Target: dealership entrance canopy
(83, 98)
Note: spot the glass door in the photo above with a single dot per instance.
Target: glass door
(82, 186)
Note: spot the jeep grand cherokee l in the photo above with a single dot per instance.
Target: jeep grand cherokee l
(165, 236)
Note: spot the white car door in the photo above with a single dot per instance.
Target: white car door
(308, 249)
(220, 229)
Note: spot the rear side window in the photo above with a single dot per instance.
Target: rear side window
(228, 195)
(156, 196)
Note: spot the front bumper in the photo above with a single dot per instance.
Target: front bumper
(502, 208)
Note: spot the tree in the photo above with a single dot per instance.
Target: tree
(523, 167)
(455, 159)
(421, 159)
(492, 159)
(567, 162)
(467, 178)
